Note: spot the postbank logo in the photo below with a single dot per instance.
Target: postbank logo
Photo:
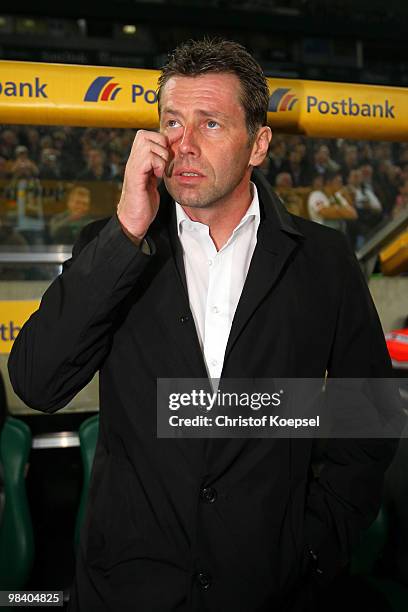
(282, 100)
(102, 90)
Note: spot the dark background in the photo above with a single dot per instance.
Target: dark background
(344, 40)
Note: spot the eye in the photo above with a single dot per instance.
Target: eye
(212, 124)
(172, 123)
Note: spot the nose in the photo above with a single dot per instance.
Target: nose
(189, 143)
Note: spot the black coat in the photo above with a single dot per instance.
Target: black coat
(151, 541)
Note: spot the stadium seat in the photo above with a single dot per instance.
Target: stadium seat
(16, 531)
(371, 546)
(88, 435)
(365, 559)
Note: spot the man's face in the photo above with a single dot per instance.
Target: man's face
(204, 122)
(78, 203)
(322, 155)
(355, 178)
(336, 183)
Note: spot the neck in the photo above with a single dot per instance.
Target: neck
(224, 215)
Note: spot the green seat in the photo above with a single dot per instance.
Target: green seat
(365, 558)
(16, 531)
(371, 546)
(88, 435)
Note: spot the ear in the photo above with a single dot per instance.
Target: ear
(260, 146)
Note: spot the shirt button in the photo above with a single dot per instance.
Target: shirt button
(215, 310)
(184, 319)
(204, 580)
(208, 495)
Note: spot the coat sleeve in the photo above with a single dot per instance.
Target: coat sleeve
(346, 496)
(63, 344)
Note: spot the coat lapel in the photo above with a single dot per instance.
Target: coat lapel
(277, 239)
(174, 304)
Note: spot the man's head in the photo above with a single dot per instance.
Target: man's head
(283, 181)
(196, 58)
(96, 158)
(213, 100)
(333, 182)
(351, 156)
(355, 178)
(367, 172)
(322, 155)
(79, 201)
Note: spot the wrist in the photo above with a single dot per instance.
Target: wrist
(137, 240)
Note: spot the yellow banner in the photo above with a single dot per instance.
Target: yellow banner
(13, 314)
(59, 94)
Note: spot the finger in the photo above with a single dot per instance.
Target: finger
(162, 152)
(158, 165)
(156, 137)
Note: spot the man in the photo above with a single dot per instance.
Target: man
(330, 206)
(224, 282)
(66, 226)
(367, 206)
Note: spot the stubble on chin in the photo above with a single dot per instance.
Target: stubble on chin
(190, 198)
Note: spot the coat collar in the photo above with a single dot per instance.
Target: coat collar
(277, 240)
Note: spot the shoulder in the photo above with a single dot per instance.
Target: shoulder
(318, 196)
(324, 245)
(89, 232)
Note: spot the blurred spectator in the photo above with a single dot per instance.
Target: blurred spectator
(49, 167)
(366, 204)
(386, 183)
(277, 153)
(382, 151)
(401, 202)
(367, 173)
(10, 237)
(350, 161)
(403, 154)
(317, 183)
(67, 148)
(65, 227)
(33, 143)
(8, 143)
(116, 165)
(283, 181)
(96, 170)
(366, 153)
(323, 164)
(291, 199)
(297, 168)
(329, 206)
(4, 168)
(404, 173)
(24, 196)
(23, 166)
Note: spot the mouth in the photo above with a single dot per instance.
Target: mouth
(188, 172)
(188, 176)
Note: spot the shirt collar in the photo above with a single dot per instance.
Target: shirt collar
(253, 211)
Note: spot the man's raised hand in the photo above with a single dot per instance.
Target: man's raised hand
(139, 201)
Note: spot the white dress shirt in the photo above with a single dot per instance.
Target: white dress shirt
(215, 279)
